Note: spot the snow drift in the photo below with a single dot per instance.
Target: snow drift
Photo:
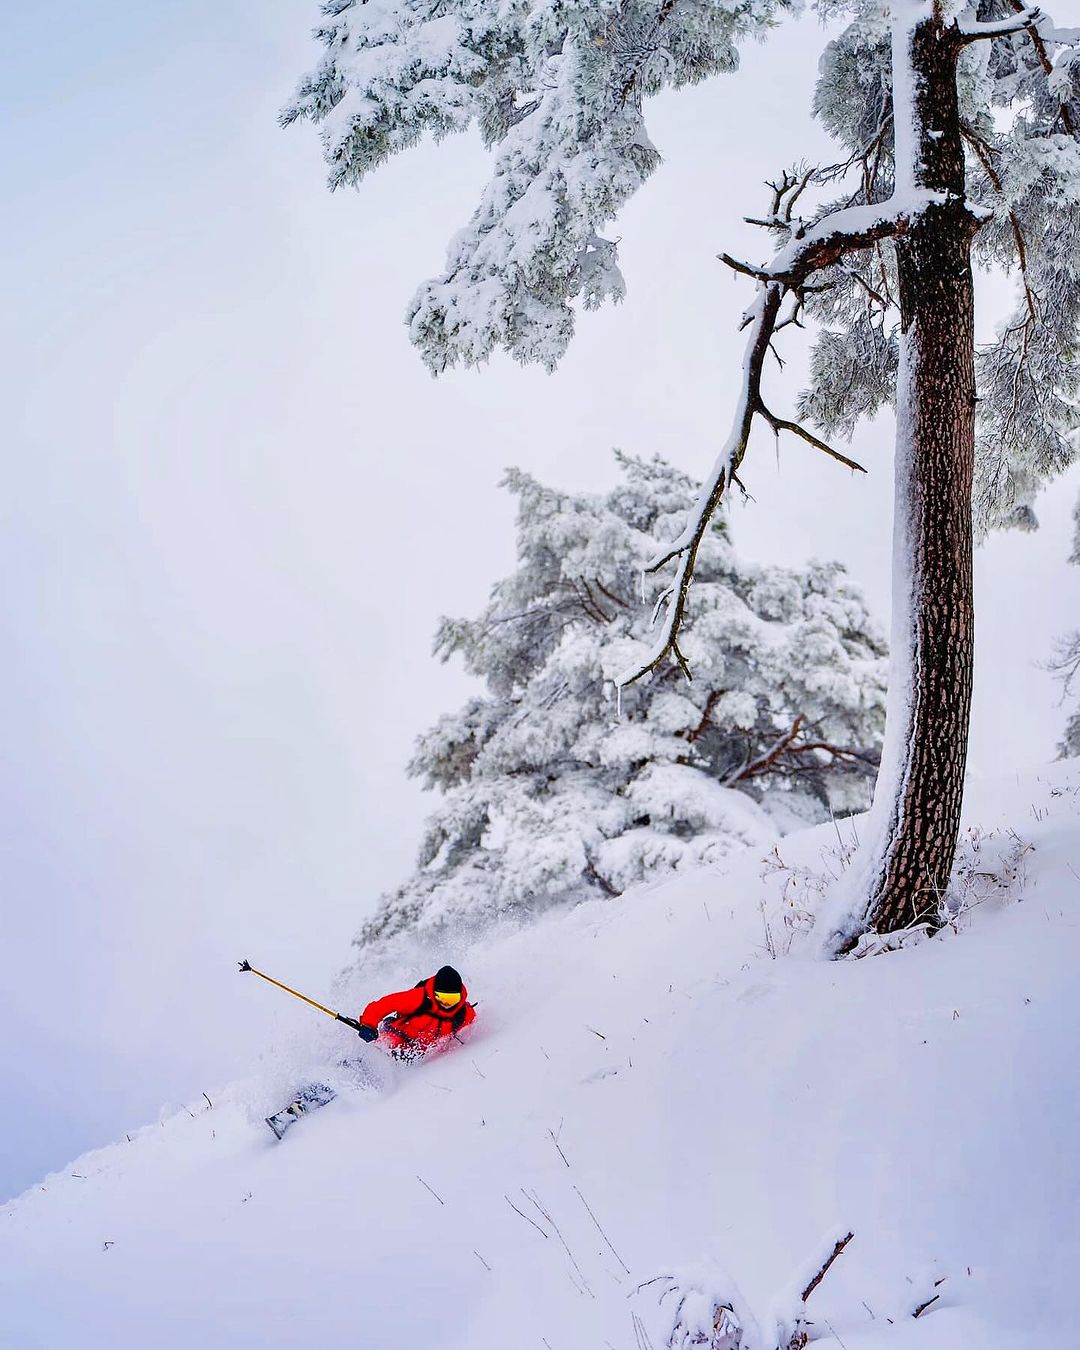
(659, 1086)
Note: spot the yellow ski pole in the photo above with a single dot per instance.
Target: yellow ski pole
(340, 1017)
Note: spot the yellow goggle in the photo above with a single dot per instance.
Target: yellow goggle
(447, 1000)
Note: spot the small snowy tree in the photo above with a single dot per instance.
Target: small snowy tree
(549, 795)
(959, 124)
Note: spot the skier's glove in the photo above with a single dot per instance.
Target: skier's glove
(368, 1034)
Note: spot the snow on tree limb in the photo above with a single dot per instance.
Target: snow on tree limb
(972, 31)
(811, 249)
(685, 548)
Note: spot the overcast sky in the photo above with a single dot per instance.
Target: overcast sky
(235, 504)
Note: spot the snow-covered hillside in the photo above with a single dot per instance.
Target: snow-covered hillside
(648, 1090)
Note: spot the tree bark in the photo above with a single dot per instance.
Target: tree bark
(920, 786)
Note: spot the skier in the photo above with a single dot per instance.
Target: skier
(411, 1023)
(414, 1021)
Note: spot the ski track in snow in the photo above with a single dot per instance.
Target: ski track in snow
(643, 1068)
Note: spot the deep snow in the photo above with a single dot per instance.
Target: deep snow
(645, 1067)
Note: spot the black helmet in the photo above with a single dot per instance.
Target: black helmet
(448, 981)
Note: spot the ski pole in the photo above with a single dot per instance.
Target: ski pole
(340, 1017)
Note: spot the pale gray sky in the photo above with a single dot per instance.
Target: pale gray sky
(236, 504)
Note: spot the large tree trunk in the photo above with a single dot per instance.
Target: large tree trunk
(920, 786)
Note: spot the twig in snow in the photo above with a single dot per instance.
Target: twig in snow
(595, 1032)
(436, 1194)
(481, 1259)
(209, 1103)
(641, 1336)
(558, 1233)
(562, 1155)
(526, 1217)
(922, 1307)
(601, 1232)
(840, 1245)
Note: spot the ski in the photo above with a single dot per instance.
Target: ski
(309, 1098)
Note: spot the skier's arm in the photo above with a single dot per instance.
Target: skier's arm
(405, 1001)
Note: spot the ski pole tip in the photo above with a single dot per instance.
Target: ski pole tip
(245, 965)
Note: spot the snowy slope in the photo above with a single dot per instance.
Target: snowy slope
(645, 1067)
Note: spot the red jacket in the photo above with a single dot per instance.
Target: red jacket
(417, 1022)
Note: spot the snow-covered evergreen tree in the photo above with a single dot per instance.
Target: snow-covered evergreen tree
(556, 88)
(959, 122)
(1019, 104)
(549, 792)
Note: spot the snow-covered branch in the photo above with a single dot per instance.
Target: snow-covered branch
(763, 317)
(972, 31)
(840, 232)
(845, 231)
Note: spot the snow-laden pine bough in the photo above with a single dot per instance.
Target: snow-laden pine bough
(918, 103)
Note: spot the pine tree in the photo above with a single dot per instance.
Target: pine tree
(959, 125)
(549, 792)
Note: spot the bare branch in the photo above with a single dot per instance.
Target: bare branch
(776, 223)
(856, 276)
(753, 767)
(758, 273)
(779, 424)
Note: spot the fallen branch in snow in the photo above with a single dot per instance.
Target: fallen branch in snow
(838, 1248)
(926, 1303)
